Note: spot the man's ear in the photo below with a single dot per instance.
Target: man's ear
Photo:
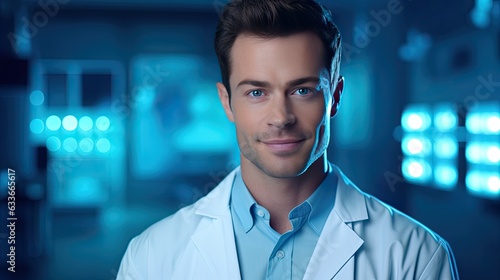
(225, 101)
(337, 94)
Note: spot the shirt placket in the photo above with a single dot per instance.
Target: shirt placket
(280, 262)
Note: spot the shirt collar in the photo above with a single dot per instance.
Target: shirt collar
(242, 202)
(320, 203)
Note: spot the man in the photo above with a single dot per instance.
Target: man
(286, 213)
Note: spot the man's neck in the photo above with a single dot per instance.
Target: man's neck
(280, 195)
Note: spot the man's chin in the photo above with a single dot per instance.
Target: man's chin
(283, 169)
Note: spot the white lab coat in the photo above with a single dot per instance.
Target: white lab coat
(363, 238)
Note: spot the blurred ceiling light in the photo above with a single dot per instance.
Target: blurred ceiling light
(481, 13)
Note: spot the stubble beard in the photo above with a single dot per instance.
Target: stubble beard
(285, 168)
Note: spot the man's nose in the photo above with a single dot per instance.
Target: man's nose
(281, 113)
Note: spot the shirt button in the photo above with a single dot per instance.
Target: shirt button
(280, 254)
(260, 213)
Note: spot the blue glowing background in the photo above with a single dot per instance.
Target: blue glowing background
(111, 119)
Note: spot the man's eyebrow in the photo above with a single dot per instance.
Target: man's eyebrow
(254, 83)
(292, 83)
(301, 81)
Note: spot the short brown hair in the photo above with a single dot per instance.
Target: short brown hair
(275, 18)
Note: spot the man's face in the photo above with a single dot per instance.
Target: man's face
(281, 102)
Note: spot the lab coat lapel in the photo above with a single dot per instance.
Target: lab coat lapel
(216, 245)
(338, 243)
(334, 249)
(214, 239)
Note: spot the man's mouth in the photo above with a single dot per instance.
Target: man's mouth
(285, 145)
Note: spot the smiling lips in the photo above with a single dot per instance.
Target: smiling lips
(281, 146)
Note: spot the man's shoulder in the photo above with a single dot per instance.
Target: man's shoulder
(378, 218)
(157, 250)
(166, 231)
(177, 228)
(396, 226)
(396, 241)
(183, 218)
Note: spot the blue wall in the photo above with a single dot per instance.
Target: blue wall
(151, 70)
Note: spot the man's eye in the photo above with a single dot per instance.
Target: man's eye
(303, 91)
(256, 93)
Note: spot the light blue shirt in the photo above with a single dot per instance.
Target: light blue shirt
(263, 253)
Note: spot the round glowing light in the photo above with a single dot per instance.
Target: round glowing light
(70, 144)
(446, 175)
(493, 154)
(494, 184)
(36, 98)
(473, 181)
(102, 123)
(415, 170)
(446, 147)
(53, 143)
(70, 123)
(445, 121)
(53, 123)
(415, 146)
(85, 123)
(473, 152)
(37, 126)
(86, 145)
(103, 145)
(473, 123)
(493, 124)
(415, 121)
